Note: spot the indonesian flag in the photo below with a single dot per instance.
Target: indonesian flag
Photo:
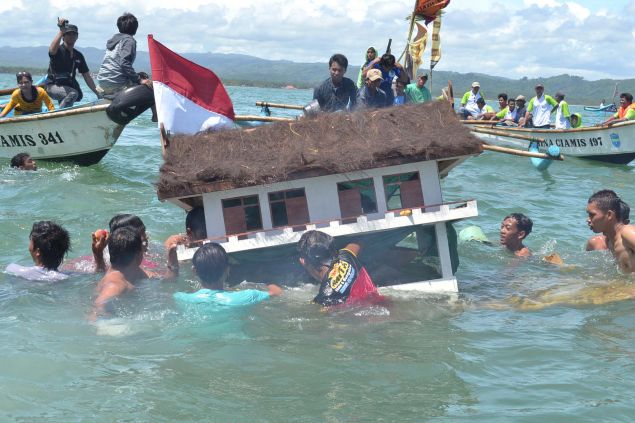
(189, 97)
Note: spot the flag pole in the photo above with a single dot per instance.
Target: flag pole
(412, 26)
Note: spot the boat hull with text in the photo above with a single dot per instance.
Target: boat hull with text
(82, 134)
(614, 143)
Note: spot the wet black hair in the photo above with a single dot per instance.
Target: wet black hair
(20, 75)
(53, 242)
(124, 244)
(19, 159)
(502, 95)
(317, 248)
(123, 220)
(627, 96)
(523, 223)
(340, 59)
(387, 60)
(607, 199)
(127, 24)
(195, 221)
(210, 263)
(480, 100)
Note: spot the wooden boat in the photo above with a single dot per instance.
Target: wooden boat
(371, 177)
(81, 134)
(608, 143)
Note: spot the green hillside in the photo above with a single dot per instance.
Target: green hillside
(236, 69)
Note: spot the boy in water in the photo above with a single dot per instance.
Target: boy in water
(211, 264)
(23, 161)
(608, 215)
(342, 277)
(49, 243)
(195, 228)
(514, 229)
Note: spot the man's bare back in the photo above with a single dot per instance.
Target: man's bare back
(623, 247)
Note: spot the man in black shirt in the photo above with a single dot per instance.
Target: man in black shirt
(337, 92)
(65, 62)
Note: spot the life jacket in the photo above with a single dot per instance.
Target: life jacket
(621, 112)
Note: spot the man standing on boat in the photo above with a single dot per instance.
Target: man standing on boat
(539, 109)
(418, 92)
(563, 116)
(625, 112)
(337, 92)
(65, 62)
(521, 109)
(468, 102)
(390, 69)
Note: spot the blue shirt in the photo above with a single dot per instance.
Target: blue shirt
(222, 298)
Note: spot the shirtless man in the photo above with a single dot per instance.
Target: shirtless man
(514, 229)
(606, 216)
(598, 242)
(126, 248)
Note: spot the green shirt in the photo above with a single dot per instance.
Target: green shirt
(415, 94)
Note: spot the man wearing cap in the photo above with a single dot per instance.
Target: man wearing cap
(468, 102)
(65, 62)
(521, 109)
(563, 116)
(417, 92)
(539, 109)
(370, 95)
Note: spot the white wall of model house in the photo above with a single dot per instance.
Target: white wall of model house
(322, 195)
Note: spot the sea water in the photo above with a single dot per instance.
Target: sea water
(479, 357)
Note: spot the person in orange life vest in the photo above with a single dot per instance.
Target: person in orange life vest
(625, 112)
(343, 279)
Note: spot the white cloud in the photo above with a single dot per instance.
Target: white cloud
(512, 38)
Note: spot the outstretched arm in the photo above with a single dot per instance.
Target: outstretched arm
(55, 44)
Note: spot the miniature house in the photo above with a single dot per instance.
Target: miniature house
(372, 177)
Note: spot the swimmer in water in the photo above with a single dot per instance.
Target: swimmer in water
(211, 264)
(607, 215)
(342, 277)
(514, 229)
(598, 242)
(126, 253)
(23, 161)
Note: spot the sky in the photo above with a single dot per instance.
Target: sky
(511, 38)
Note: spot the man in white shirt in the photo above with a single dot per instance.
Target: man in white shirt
(539, 109)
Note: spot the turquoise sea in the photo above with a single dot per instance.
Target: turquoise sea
(421, 358)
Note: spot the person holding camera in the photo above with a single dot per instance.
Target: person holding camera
(65, 62)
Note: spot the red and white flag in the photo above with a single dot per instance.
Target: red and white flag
(189, 97)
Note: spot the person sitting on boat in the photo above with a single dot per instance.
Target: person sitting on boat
(539, 109)
(606, 215)
(417, 92)
(482, 110)
(625, 112)
(605, 196)
(27, 99)
(23, 161)
(521, 110)
(514, 229)
(371, 96)
(343, 279)
(337, 92)
(508, 115)
(371, 54)
(390, 69)
(468, 102)
(211, 264)
(116, 72)
(602, 103)
(576, 120)
(65, 62)
(563, 116)
(400, 93)
(48, 244)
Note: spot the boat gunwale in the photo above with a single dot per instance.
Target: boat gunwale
(554, 131)
(56, 114)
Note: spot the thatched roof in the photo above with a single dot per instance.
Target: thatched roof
(329, 144)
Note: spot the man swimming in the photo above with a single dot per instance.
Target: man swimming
(514, 229)
(608, 215)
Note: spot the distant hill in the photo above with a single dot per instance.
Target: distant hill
(238, 69)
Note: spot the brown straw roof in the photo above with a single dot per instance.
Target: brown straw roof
(329, 144)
